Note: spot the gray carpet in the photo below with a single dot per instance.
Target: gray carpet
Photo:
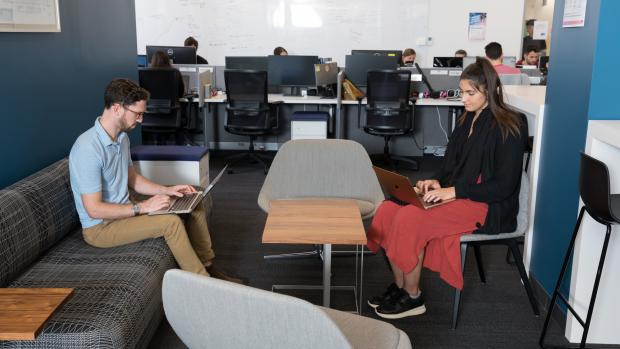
(493, 315)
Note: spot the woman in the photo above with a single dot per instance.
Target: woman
(481, 171)
(161, 60)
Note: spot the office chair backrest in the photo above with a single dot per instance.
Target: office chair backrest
(388, 87)
(207, 312)
(162, 83)
(321, 168)
(246, 88)
(388, 99)
(594, 188)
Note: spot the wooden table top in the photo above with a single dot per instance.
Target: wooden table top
(314, 221)
(24, 311)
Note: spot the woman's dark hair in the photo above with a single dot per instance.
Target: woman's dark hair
(160, 60)
(278, 50)
(484, 78)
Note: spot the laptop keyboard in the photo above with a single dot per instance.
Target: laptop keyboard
(184, 203)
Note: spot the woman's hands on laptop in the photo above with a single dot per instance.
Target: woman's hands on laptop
(179, 190)
(433, 192)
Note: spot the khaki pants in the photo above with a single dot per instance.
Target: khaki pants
(188, 239)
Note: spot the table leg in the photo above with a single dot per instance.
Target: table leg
(327, 273)
(361, 279)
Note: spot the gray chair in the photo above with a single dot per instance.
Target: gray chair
(510, 239)
(322, 168)
(210, 313)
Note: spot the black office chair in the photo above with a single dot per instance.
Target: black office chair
(388, 111)
(604, 208)
(163, 113)
(248, 112)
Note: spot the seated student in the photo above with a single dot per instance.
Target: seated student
(408, 57)
(101, 174)
(495, 55)
(528, 40)
(481, 171)
(460, 53)
(280, 51)
(190, 41)
(161, 60)
(530, 57)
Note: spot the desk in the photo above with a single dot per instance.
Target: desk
(24, 311)
(530, 100)
(428, 130)
(318, 221)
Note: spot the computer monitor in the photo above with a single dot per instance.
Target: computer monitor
(448, 62)
(542, 63)
(391, 53)
(326, 74)
(142, 63)
(468, 60)
(358, 65)
(178, 54)
(296, 71)
(247, 62)
(510, 61)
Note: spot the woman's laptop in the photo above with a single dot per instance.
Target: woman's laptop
(188, 202)
(399, 187)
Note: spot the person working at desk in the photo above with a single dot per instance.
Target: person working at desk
(495, 55)
(530, 57)
(460, 53)
(160, 60)
(408, 57)
(101, 174)
(481, 171)
(191, 42)
(280, 51)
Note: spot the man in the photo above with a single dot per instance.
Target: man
(528, 40)
(530, 57)
(408, 57)
(191, 42)
(495, 55)
(460, 53)
(102, 172)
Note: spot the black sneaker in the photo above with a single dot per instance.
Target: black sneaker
(390, 292)
(400, 306)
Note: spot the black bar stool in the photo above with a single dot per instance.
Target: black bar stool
(605, 209)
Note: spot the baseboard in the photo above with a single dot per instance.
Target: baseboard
(543, 298)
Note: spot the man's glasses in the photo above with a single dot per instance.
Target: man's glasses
(138, 115)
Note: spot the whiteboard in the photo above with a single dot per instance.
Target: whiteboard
(327, 28)
(29, 16)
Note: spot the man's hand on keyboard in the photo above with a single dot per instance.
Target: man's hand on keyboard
(180, 190)
(155, 203)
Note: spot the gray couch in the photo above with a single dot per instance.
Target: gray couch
(117, 301)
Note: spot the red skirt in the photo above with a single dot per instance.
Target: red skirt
(405, 231)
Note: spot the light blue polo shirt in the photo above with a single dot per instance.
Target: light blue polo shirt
(98, 164)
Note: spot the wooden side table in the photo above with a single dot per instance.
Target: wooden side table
(319, 221)
(24, 311)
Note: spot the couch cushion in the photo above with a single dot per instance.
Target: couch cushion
(35, 213)
(118, 292)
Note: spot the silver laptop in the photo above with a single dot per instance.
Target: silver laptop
(188, 202)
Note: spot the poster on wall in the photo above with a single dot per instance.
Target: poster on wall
(477, 25)
(574, 13)
(540, 30)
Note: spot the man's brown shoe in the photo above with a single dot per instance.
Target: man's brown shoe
(218, 274)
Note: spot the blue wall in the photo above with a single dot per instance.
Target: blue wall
(603, 104)
(566, 115)
(52, 84)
